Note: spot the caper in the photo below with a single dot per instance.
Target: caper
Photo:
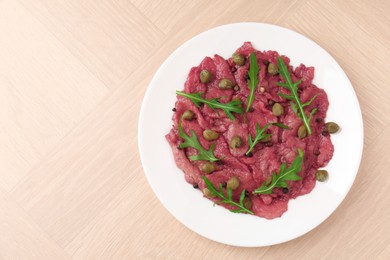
(238, 59)
(273, 69)
(277, 109)
(205, 76)
(208, 193)
(247, 203)
(225, 84)
(322, 175)
(233, 183)
(332, 127)
(236, 142)
(301, 132)
(207, 167)
(210, 135)
(188, 115)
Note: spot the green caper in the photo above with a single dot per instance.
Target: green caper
(207, 167)
(302, 132)
(322, 175)
(210, 135)
(205, 76)
(238, 59)
(236, 142)
(225, 84)
(273, 69)
(188, 115)
(332, 127)
(233, 183)
(247, 203)
(277, 109)
(208, 193)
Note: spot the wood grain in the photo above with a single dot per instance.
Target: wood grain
(45, 92)
(21, 238)
(72, 78)
(110, 38)
(356, 57)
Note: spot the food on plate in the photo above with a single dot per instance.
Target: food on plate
(250, 131)
(322, 175)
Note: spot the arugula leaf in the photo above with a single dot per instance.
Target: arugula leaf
(228, 108)
(296, 104)
(289, 174)
(260, 134)
(227, 199)
(253, 79)
(192, 141)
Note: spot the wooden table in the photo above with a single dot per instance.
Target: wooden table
(72, 78)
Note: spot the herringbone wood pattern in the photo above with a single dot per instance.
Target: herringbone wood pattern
(72, 77)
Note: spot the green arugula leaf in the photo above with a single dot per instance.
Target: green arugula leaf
(279, 180)
(260, 134)
(253, 79)
(310, 101)
(312, 112)
(192, 141)
(293, 87)
(227, 199)
(228, 108)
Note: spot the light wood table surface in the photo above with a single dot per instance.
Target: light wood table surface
(72, 77)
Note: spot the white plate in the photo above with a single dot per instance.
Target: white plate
(186, 203)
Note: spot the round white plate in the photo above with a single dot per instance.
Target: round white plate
(186, 203)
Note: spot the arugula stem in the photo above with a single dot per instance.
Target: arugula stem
(260, 135)
(293, 87)
(289, 174)
(192, 141)
(227, 199)
(272, 185)
(228, 108)
(243, 209)
(253, 79)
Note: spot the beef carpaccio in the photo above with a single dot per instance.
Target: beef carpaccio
(252, 170)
